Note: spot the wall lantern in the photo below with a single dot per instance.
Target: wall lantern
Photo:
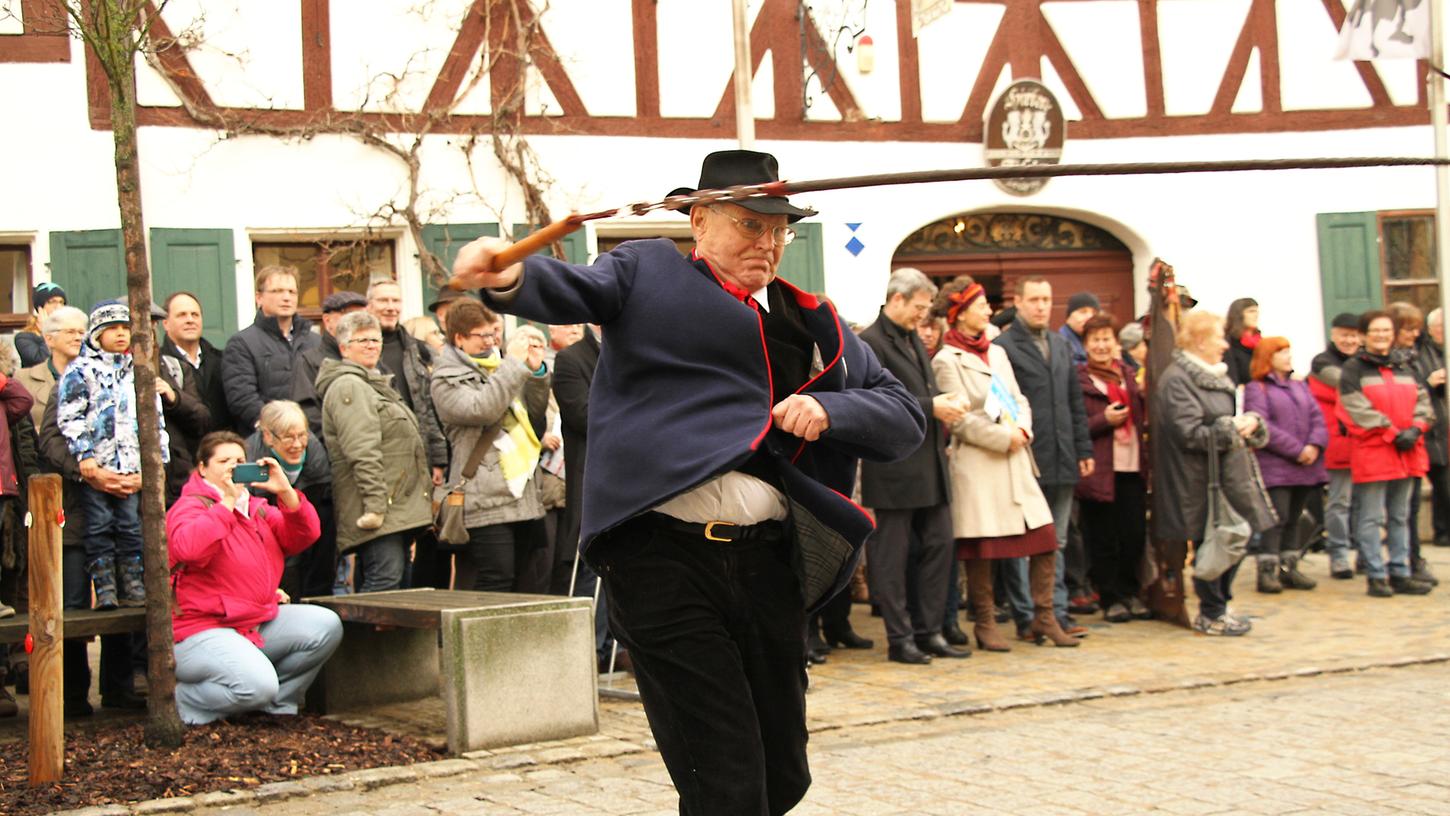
(865, 54)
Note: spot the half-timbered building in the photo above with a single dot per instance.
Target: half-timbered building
(306, 132)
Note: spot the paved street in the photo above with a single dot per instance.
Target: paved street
(1358, 743)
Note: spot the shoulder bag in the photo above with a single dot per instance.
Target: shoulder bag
(1226, 533)
(448, 523)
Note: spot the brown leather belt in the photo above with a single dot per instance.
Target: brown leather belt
(721, 531)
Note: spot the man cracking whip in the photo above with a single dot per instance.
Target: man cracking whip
(725, 422)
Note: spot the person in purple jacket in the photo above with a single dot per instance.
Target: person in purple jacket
(1293, 461)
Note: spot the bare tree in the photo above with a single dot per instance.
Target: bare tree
(116, 30)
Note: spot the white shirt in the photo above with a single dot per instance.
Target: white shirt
(734, 497)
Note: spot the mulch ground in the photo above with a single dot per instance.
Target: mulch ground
(114, 766)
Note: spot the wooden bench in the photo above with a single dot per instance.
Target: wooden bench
(80, 623)
(510, 668)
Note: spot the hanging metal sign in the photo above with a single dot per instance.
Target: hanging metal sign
(1025, 126)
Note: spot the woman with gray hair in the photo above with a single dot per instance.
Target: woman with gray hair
(380, 471)
(1135, 350)
(64, 330)
(282, 435)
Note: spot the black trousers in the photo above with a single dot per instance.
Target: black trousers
(1114, 534)
(1440, 500)
(491, 558)
(890, 562)
(1283, 538)
(714, 630)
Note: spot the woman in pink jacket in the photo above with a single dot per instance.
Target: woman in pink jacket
(237, 649)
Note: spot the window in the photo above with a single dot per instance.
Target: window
(685, 243)
(324, 267)
(14, 286)
(1408, 264)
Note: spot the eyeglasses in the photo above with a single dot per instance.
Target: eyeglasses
(365, 341)
(753, 228)
(493, 335)
(299, 438)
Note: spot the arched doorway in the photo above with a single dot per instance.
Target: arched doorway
(998, 249)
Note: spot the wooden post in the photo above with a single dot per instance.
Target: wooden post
(47, 680)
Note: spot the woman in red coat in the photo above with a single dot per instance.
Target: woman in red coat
(237, 649)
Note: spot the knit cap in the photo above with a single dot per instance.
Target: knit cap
(106, 313)
(43, 292)
(1083, 300)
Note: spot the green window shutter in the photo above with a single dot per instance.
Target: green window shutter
(1349, 263)
(444, 241)
(576, 249)
(89, 264)
(804, 261)
(200, 261)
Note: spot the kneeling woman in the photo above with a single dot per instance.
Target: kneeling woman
(998, 510)
(237, 649)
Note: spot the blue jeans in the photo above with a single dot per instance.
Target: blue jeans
(1337, 520)
(113, 523)
(1059, 499)
(219, 672)
(382, 562)
(1386, 502)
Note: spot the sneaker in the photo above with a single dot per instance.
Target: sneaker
(1339, 568)
(1138, 609)
(1082, 605)
(7, 611)
(1379, 588)
(1117, 613)
(103, 578)
(1407, 585)
(1222, 626)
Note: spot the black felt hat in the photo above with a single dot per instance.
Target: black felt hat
(730, 168)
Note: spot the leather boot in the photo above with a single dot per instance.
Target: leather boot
(984, 613)
(1269, 575)
(1041, 574)
(1290, 577)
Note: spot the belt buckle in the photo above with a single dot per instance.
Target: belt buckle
(710, 530)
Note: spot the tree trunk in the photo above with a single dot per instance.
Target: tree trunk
(163, 724)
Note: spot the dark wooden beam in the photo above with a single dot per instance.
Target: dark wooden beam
(646, 59)
(316, 55)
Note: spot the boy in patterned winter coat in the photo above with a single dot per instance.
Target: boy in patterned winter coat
(96, 413)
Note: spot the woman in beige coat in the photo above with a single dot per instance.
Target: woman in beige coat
(998, 510)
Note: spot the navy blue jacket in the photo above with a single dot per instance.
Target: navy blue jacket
(1059, 422)
(683, 394)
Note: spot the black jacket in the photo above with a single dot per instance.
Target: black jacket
(417, 363)
(919, 480)
(52, 456)
(1059, 422)
(257, 366)
(1240, 359)
(209, 379)
(1427, 358)
(32, 349)
(304, 380)
(573, 376)
(187, 421)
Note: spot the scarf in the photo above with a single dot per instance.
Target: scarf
(518, 446)
(292, 472)
(1112, 376)
(1250, 339)
(977, 345)
(1219, 369)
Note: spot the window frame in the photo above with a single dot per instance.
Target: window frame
(1389, 286)
(12, 322)
(323, 245)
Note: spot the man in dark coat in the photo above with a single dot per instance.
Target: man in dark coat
(911, 496)
(719, 461)
(200, 359)
(573, 376)
(258, 363)
(1061, 446)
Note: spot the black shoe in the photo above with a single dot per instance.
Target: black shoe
(1423, 574)
(815, 644)
(815, 657)
(1082, 605)
(937, 646)
(847, 639)
(1405, 585)
(124, 700)
(1379, 588)
(1117, 613)
(954, 635)
(906, 652)
(78, 708)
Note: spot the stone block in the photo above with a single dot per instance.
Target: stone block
(372, 667)
(179, 804)
(520, 672)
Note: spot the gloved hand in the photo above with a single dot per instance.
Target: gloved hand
(370, 521)
(1407, 438)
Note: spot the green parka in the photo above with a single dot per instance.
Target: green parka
(378, 461)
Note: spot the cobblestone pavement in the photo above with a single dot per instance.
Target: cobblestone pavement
(1354, 743)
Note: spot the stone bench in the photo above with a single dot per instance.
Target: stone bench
(510, 668)
(80, 623)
